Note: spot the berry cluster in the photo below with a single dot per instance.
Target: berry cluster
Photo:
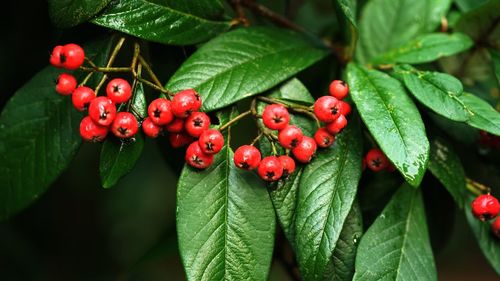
(486, 207)
(376, 161)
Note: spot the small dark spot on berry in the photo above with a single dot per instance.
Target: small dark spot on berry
(197, 160)
(335, 110)
(269, 174)
(294, 142)
(122, 131)
(244, 165)
(157, 113)
(116, 88)
(104, 115)
(278, 119)
(376, 162)
(197, 122)
(209, 146)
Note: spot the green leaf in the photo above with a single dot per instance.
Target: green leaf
(294, 91)
(495, 58)
(438, 91)
(483, 115)
(153, 22)
(426, 48)
(489, 244)
(481, 24)
(397, 246)
(68, 13)
(392, 118)
(209, 9)
(242, 63)
(467, 5)
(327, 189)
(346, 13)
(38, 136)
(139, 105)
(225, 222)
(445, 165)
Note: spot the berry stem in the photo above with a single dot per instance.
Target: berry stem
(260, 126)
(476, 188)
(257, 138)
(133, 64)
(273, 147)
(111, 59)
(153, 76)
(293, 107)
(86, 79)
(234, 120)
(271, 15)
(242, 18)
(105, 69)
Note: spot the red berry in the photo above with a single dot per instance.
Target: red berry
(376, 160)
(495, 227)
(275, 117)
(336, 126)
(81, 98)
(211, 141)
(91, 131)
(290, 136)
(176, 126)
(485, 207)
(119, 90)
(305, 150)
(125, 125)
(186, 102)
(66, 84)
(196, 123)
(338, 89)
(196, 158)
(323, 138)
(247, 157)
(150, 129)
(327, 109)
(180, 139)
(270, 168)
(55, 57)
(288, 165)
(345, 108)
(160, 111)
(102, 110)
(72, 56)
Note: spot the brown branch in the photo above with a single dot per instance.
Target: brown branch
(271, 15)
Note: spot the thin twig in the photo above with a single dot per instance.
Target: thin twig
(112, 58)
(105, 69)
(234, 120)
(242, 18)
(271, 15)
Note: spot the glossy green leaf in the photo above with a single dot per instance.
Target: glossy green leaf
(438, 91)
(139, 105)
(489, 244)
(445, 165)
(397, 246)
(242, 63)
(483, 115)
(495, 58)
(294, 91)
(38, 136)
(209, 9)
(327, 189)
(153, 22)
(426, 48)
(346, 14)
(392, 118)
(225, 222)
(68, 13)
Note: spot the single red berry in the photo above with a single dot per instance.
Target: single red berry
(186, 102)
(55, 56)
(81, 98)
(72, 56)
(275, 117)
(338, 89)
(323, 138)
(288, 165)
(345, 108)
(102, 110)
(176, 126)
(495, 227)
(180, 139)
(119, 90)
(160, 111)
(125, 125)
(196, 123)
(196, 158)
(336, 126)
(376, 160)
(290, 136)
(91, 131)
(66, 84)
(305, 150)
(247, 157)
(327, 109)
(211, 141)
(149, 128)
(270, 168)
(485, 207)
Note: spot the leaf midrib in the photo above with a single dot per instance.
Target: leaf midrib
(406, 233)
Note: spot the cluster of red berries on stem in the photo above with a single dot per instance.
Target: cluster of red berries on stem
(486, 207)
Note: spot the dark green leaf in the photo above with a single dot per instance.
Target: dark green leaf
(327, 189)
(38, 136)
(438, 91)
(495, 58)
(294, 91)
(225, 222)
(68, 13)
(481, 23)
(483, 116)
(158, 23)
(426, 48)
(139, 105)
(467, 5)
(346, 13)
(445, 165)
(243, 63)
(392, 119)
(209, 9)
(397, 246)
(489, 244)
